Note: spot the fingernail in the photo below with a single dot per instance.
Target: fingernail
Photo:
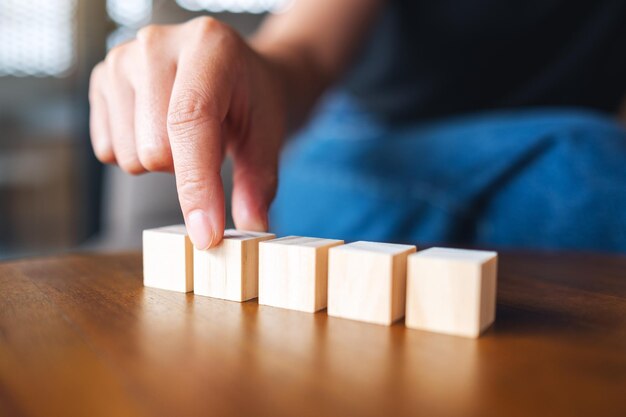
(200, 230)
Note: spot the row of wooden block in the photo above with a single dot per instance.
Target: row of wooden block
(443, 290)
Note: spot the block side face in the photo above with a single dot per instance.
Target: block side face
(398, 286)
(360, 286)
(314, 294)
(321, 275)
(250, 268)
(188, 264)
(264, 274)
(488, 293)
(443, 296)
(166, 261)
(412, 308)
(334, 282)
(249, 265)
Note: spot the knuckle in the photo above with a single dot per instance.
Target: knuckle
(96, 73)
(95, 80)
(206, 24)
(206, 27)
(150, 35)
(131, 166)
(117, 59)
(190, 184)
(127, 160)
(150, 41)
(155, 158)
(115, 56)
(104, 154)
(188, 111)
(228, 39)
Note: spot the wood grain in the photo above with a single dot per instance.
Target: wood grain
(80, 335)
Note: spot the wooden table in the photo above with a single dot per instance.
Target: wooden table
(80, 336)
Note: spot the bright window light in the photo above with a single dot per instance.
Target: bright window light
(235, 6)
(131, 13)
(37, 37)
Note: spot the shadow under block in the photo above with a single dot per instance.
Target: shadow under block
(452, 291)
(168, 259)
(293, 272)
(230, 270)
(367, 281)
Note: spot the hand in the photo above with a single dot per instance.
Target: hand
(177, 99)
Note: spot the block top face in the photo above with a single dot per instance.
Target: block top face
(376, 247)
(308, 242)
(178, 229)
(457, 255)
(244, 235)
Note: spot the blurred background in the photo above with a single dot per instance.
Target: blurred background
(54, 195)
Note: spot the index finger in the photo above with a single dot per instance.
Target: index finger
(198, 106)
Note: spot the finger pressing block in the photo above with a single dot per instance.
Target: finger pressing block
(168, 259)
(293, 272)
(451, 291)
(230, 270)
(367, 281)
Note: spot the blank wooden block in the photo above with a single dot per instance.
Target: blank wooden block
(230, 270)
(452, 291)
(293, 272)
(367, 281)
(168, 259)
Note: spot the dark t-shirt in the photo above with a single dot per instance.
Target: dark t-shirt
(433, 58)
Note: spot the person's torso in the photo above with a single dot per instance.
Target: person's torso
(430, 59)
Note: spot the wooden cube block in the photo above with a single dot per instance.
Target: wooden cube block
(230, 270)
(367, 281)
(168, 259)
(293, 272)
(452, 291)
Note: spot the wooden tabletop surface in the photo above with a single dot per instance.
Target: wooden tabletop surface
(81, 336)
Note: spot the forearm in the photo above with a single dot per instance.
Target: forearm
(311, 46)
